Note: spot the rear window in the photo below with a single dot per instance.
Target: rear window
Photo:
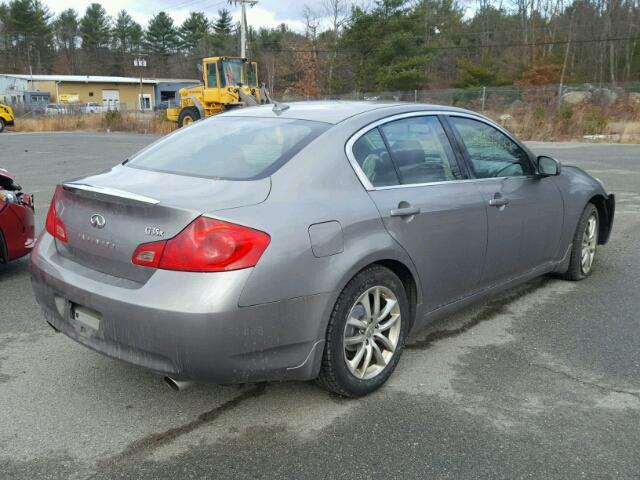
(229, 148)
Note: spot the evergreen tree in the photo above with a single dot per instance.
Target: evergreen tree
(66, 28)
(126, 33)
(193, 30)
(29, 33)
(224, 23)
(95, 30)
(161, 36)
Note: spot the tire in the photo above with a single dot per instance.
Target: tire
(188, 116)
(577, 270)
(2, 125)
(335, 375)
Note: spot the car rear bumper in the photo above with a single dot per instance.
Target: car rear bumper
(184, 325)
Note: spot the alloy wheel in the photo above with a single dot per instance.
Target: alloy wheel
(372, 332)
(589, 242)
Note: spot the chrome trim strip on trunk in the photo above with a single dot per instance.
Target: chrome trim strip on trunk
(112, 192)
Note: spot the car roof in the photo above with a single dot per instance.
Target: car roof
(332, 111)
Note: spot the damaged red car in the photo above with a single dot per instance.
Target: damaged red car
(17, 235)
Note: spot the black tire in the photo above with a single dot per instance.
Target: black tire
(575, 272)
(2, 125)
(191, 115)
(334, 374)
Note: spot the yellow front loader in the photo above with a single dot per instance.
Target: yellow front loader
(6, 116)
(228, 82)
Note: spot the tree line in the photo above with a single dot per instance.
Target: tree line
(387, 45)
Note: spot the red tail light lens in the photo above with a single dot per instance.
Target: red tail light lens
(54, 225)
(206, 245)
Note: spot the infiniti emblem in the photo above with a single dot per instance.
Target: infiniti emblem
(98, 221)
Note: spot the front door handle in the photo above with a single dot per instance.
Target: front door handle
(498, 202)
(404, 211)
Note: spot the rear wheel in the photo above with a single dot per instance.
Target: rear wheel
(188, 116)
(2, 124)
(585, 242)
(366, 333)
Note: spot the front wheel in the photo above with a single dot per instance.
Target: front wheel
(2, 124)
(366, 333)
(585, 241)
(188, 116)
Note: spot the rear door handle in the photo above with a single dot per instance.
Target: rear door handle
(404, 211)
(498, 202)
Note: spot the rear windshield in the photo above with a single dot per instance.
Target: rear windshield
(229, 148)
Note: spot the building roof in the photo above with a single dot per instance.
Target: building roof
(94, 79)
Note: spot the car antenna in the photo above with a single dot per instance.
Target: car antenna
(279, 107)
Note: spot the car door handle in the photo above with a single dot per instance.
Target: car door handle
(404, 211)
(498, 202)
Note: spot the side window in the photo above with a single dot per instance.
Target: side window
(373, 158)
(421, 150)
(212, 79)
(492, 153)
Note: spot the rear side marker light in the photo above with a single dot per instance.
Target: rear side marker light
(54, 224)
(205, 245)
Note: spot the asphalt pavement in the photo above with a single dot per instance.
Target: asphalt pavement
(540, 382)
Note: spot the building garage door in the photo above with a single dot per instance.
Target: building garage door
(111, 99)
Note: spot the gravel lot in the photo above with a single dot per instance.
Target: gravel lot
(542, 382)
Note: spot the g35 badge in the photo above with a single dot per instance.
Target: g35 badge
(154, 231)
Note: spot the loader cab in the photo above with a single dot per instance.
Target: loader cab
(224, 72)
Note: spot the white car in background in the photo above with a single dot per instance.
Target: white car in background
(91, 107)
(55, 109)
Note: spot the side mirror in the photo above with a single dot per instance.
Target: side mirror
(548, 166)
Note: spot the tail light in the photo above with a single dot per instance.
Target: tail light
(54, 224)
(205, 245)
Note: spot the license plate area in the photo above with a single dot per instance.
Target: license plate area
(85, 320)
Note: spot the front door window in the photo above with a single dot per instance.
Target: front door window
(491, 152)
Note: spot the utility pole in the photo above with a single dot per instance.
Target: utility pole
(243, 23)
(141, 62)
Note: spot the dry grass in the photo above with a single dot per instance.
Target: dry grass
(110, 121)
(619, 122)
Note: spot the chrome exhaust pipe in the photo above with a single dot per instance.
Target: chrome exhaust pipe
(178, 385)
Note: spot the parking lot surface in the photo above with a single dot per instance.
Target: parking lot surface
(541, 382)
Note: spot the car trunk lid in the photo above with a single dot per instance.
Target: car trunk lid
(108, 215)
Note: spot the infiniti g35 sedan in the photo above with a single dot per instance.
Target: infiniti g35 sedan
(307, 241)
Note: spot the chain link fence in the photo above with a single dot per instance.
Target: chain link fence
(500, 98)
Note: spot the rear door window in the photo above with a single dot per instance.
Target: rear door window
(371, 154)
(229, 148)
(421, 150)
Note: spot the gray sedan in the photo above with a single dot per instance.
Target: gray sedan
(306, 241)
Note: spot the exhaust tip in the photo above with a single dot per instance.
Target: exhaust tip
(177, 385)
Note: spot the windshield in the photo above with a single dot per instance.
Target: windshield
(232, 72)
(229, 148)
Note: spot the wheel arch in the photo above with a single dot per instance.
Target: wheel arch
(408, 281)
(401, 267)
(605, 207)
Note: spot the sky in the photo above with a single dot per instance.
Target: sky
(267, 13)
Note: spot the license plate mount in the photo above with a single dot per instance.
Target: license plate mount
(86, 320)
